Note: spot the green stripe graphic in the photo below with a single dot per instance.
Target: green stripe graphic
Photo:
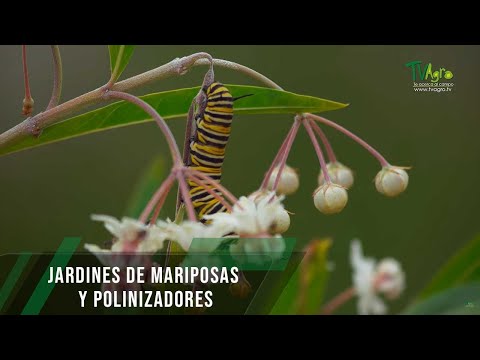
(43, 289)
(13, 277)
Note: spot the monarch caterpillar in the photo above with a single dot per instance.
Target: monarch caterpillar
(207, 145)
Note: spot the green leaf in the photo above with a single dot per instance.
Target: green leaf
(147, 184)
(172, 104)
(304, 292)
(462, 300)
(463, 267)
(119, 63)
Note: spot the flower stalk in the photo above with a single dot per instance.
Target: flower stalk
(325, 142)
(338, 301)
(318, 150)
(277, 158)
(27, 101)
(351, 135)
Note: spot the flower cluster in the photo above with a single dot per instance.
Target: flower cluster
(334, 178)
(256, 220)
(371, 278)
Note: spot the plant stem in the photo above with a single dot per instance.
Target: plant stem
(172, 144)
(318, 150)
(338, 300)
(204, 185)
(276, 159)
(163, 189)
(27, 101)
(186, 148)
(57, 77)
(213, 183)
(325, 142)
(160, 203)
(174, 67)
(286, 152)
(363, 143)
(242, 69)
(186, 197)
(178, 66)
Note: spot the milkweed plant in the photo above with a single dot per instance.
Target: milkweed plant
(257, 221)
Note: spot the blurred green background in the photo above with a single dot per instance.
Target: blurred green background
(49, 192)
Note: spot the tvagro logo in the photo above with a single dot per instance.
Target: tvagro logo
(427, 78)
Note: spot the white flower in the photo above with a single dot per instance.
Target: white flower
(132, 239)
(370, 278)
(185, 232)
(391, 278)
(252, 216)
(281, 222)
(126, 230)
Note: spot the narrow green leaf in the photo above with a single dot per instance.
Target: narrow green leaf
(146, 186)
(462, 300)
(304, 292)
(172, 104)
(463, 267)
(119, 63)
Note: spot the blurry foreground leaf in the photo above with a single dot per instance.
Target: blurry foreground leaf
(462, 268)
(304, 292)
(462, 300)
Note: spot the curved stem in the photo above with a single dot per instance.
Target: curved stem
(57, 77)
(363, 143)
(160, 203)
(242, 69)
(338, 300)
(162, 190)
(186, 197)
(204, 185)
(279, 155)
(27, 101)
(213, 183)
(286, 152)
(325, 142)
(318, 150)
(172, 144)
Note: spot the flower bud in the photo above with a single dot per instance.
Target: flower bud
(27, 106)
(288, 183)
(281, 222)
(339, 174)
(391, 181)
(390, 278)
(330, 198)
